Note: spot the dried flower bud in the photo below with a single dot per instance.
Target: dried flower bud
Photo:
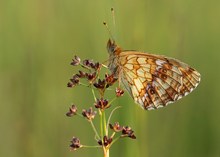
(97, 66)
(94, 66)
(75, 143)
(89, 114)
(91, 64)
(106, 141)
(75, 61)
(91, 76)
(70, 84)
(100, 142)
(110, 79)
(81, 74)
(74, 81)
(87, 62)
(119, 92)
(102, 103)
(72, 111)
(116, 127)
(128, 132)
(100, 84)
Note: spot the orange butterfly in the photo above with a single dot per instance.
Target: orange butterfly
(153, 81)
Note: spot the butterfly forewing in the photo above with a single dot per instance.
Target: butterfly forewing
(153, 81)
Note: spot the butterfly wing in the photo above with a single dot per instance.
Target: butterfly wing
(155, 81)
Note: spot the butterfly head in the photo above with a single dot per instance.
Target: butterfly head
(113, 48)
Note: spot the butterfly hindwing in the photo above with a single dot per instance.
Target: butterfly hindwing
(155, 81)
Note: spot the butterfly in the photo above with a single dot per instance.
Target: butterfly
(153, 81)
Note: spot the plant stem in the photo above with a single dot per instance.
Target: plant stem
(85, 146)
(106, 152)
(104, 124)
(109, 118)
(104, 131)
(101, 124)
(93, 127)
(116, 139)
(93, 93)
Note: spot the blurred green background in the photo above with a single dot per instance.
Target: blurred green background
(38, 39)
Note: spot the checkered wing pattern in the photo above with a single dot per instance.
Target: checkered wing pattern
(153, 81)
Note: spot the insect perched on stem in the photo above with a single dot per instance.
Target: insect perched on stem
(153, 81)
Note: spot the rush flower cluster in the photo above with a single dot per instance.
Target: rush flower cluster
(89, 75)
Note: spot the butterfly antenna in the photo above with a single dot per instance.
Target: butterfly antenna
(109, 31)
(114, 22)
(113, 16)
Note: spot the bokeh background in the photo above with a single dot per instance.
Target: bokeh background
(38, 39)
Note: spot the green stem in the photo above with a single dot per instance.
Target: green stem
(84, 66)
(112, 100)
(85, 146)
(93, 93)
(80, 115)
(101, 124)
(116, 139)
(105, 65)
(109, 118)
(94, 129)
(104, 124)
(83, 84)
(113, 134)
(106, 152)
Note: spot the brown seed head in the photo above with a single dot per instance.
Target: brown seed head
(89, 114)
(72, 111)
(91, 64)
(116, 127)
(75, 143)
(119, 92)
(106, 141)
(70, 84)
(90, 76)
(97, 66)
(102, 103)
(110, 79)
(87, 62)
(75, 61)
(73, 81)
(128, 132)
(81, 74)
(100, 84)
